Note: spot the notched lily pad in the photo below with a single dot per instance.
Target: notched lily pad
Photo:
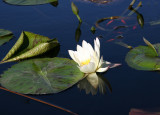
(41, 76)
(30, 45)
(144, 57)
(29, 2)
(5, 36)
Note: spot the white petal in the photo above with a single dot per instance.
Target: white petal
(71, 53)
(75, 56)
(89, 68)
(91, 50)
(100, 62)
(97, 49)
(84, 44)
(107, 62)
(97, 41)
(78, 57)
(111, 65)
(102, 69)
(84, 52)
(93, 79)
(79, 48)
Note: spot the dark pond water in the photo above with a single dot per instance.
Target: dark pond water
(130, 88)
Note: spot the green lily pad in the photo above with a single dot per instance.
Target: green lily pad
(30, 45)
(5, 33)
(41, 76)
(29, 2)
(144, 57)
(5, 36)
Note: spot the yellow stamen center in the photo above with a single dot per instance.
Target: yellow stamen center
(85, 62)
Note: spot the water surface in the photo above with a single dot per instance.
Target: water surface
(131, 88)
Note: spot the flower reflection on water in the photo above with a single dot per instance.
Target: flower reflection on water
(89, 62)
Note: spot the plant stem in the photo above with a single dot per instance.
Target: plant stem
(40, 101)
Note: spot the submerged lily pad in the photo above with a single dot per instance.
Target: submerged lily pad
(144, 57)
(41, 76)
(29, 2)
(101, 1)
(30, 45)
(5, 36)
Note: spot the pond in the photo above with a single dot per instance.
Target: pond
(132, 90)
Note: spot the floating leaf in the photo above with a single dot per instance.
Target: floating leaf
(5, 36)
(5, 33)
(151, 46)
(76, 11)
(93, 29)
(29, 45)
(28, 2)
(41, 76)
(144, 57)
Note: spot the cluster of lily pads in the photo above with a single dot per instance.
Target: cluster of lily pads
(41, 72)
(38, 76)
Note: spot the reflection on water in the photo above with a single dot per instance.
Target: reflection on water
(131, 88)
(101, 1)
(94, 83)
(78, 32)
(55, 4)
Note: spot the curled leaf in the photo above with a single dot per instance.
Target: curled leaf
(29, 45)
(151, 46)
(5, 36)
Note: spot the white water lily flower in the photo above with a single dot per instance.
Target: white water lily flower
(88, 59)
